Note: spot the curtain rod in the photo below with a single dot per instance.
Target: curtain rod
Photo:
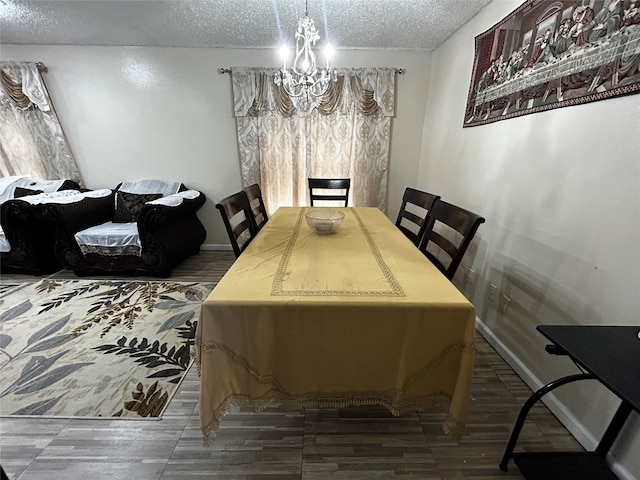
(224, 70)
(39, 65)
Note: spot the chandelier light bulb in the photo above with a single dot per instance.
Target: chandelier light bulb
(284, 55)
(328, 53)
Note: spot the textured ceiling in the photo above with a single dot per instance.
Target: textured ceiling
(369, 24)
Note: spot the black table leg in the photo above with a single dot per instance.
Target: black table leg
(613, 429)
(527, 406)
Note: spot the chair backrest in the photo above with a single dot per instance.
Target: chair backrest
(254, 194)
(329, 184)
(237, 216)
(413, 214)
(463, 225)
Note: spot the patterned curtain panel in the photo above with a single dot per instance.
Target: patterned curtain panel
(347, 135)
(32, 142)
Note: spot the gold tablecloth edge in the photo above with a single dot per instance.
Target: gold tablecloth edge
(451, 426)
(254, 372)
(196, 354)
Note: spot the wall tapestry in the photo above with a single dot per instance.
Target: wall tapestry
(550, 54)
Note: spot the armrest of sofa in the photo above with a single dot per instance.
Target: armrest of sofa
(15, 215)
(31, 239)
(169, 208)
(170, 225)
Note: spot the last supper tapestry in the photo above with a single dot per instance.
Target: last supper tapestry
(550, 54)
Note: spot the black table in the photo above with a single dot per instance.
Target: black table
(609, 354)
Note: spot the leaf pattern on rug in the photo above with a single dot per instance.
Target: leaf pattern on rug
(153, 354)
(38, 374)
(176, 321)
(49, 330)
(15, 311)
(38, 408)
(188, 332)
(5, 340)
(42, 334)
(149, 404)
(7, 287)
(123, 303)
(39, 341)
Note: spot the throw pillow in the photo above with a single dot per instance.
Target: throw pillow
(23, 192)
(129, 205)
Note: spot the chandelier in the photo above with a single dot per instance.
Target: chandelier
(304, 82)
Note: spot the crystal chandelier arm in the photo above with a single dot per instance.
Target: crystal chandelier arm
(303, 82)
(305, 60)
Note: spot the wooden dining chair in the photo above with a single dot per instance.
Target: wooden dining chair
(329, 184)
(237, 216)
(446, 245)
(414, 210)
(254, 194)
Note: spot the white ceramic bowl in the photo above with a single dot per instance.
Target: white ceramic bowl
(323, 220)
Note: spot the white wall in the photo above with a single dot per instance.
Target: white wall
(559, 190)
(131, 112)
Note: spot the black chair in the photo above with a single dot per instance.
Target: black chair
(413, 214)
(461, 223)
(329, 184)
(237, 216)
(254, 194)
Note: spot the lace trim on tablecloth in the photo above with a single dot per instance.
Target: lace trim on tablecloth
(451, 426)
(236, 357)
(270, 379)
(454, 347)
(277, 290)
(390, 399)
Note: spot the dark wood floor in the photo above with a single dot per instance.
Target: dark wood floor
(351, 443)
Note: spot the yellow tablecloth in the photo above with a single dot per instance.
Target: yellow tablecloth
(359, 317)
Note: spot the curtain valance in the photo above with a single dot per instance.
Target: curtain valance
(21, 83)
(31, 137)
(367, 90)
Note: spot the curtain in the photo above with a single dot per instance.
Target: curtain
(347, 135)
(32, 142)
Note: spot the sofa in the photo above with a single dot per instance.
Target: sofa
(145, 226)
(27, 240)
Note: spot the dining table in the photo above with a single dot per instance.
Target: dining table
(357, 317)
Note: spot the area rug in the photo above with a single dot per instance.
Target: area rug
(81, 348)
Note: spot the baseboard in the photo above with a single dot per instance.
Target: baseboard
(216, 246)
(584, 437)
